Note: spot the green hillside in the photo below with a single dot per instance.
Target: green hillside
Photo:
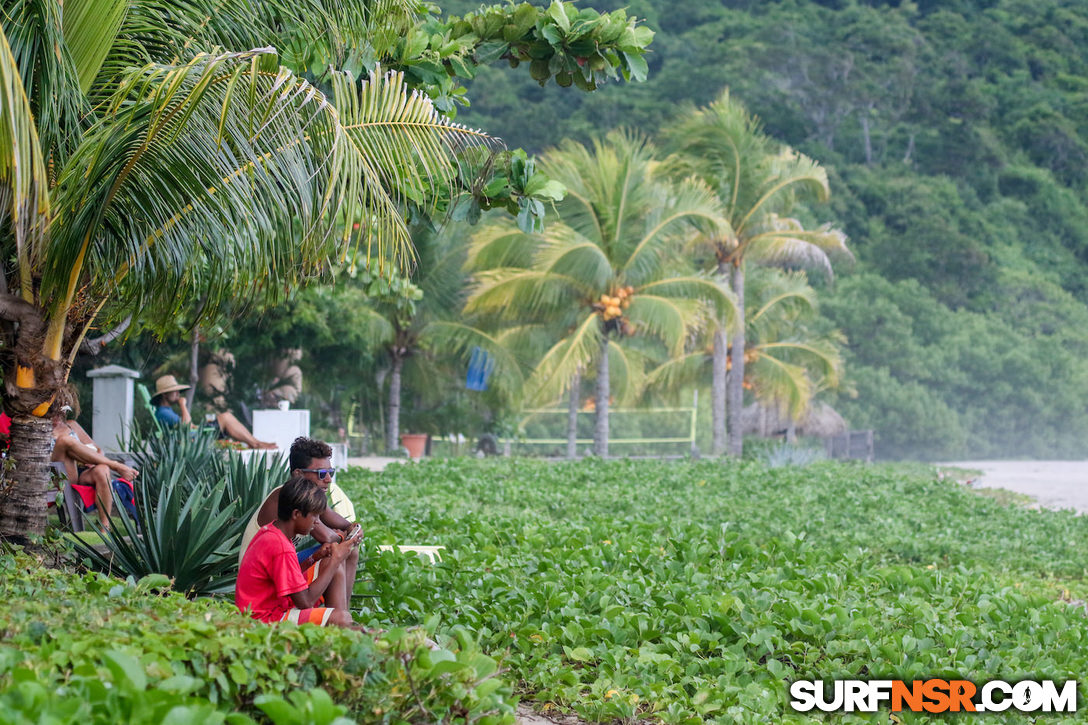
(957, 138)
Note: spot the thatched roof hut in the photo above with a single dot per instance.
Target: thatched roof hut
(821, 421)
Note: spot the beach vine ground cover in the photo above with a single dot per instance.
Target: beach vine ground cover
(685, 592)
(96, 650)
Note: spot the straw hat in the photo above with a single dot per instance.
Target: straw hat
(168, 384)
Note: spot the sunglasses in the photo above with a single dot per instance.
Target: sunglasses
(321, 472)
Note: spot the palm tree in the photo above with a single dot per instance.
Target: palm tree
(757, 183)
(787, 363)
(134, 163)
(606, 269)
(416, 320)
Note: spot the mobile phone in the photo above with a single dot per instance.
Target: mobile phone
(353, 532)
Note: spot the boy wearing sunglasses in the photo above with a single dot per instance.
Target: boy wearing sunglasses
(312, 460)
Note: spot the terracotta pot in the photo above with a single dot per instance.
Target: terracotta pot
(416, 443)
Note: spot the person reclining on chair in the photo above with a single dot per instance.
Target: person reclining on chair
(83, 460)
(311, 459)
(272, 585)
(168, 393)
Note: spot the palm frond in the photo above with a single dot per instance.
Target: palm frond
(372, 327)
(626, 372)
(686, 210)
(527, 343)
(789, 174)
(516, 293)
(499, 245)
(91, 28)
(821, 358)
(556, 369)
(609, 189)
(409, 151)
(773, 294)
(786, 242)
(776, 379)
(668, 318)
(692, 368)
(713, 292)
(563, 251)
(24, 177)
(202, 175)
(722, 144)
(457, 339)
(35, 32)
(329, 31)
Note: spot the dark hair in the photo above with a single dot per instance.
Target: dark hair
(304, 450)
(302, 495)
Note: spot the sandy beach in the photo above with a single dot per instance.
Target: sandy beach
(1054, 484)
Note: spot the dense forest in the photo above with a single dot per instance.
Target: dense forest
(956, 134)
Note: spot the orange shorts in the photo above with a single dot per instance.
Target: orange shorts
(314, 615)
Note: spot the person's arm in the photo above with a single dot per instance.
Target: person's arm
(166, 415)
(334, 520)
(323, 553)
(84, 438)
(308, 597)
(183, 407)
(324, 534)
(267, 513)
(90, 457)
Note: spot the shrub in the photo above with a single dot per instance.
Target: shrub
(194, 500)
(96, 650)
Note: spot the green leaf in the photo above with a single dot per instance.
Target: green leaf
(636, 63)
(578, 654)
(127, 671)
(558, 12)
(542, 187)
(278, 710)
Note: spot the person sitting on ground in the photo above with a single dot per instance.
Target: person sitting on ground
(272, 586)
(168, 393)
(83, 460)
(312, 460)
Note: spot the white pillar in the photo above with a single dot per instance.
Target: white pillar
(113, 406)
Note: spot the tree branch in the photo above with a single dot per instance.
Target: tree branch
(95, 346)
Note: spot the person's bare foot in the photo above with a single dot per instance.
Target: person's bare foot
(265, 445)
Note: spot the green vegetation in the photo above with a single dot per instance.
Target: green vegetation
(194, 503)
(604, 270)
(671, 591)
(94, 649)
(151, 147)
(691, 590)
(955, 141)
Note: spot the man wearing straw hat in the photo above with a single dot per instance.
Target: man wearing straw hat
(168, 393)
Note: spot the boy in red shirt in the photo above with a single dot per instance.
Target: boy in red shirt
(271, 585)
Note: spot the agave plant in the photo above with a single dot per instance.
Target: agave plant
(194, 501)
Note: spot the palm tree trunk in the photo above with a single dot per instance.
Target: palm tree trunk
(600, 433)
(717, 390)
(194, 367)
(572, 415)
(735, 396)
(22, 494)
(392, 436)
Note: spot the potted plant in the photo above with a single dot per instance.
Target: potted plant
(416, 443)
